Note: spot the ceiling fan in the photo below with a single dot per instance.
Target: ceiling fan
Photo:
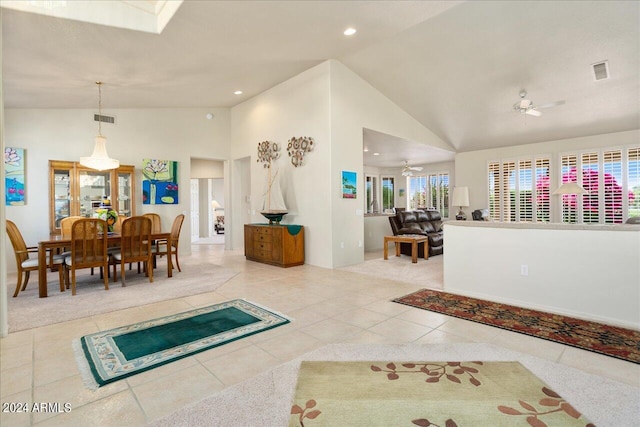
(408, 170)
(525, 106)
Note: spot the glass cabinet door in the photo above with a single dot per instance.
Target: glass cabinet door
(94, 187)
(61, 195)
(125, 192)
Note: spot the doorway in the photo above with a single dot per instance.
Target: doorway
(207, 202)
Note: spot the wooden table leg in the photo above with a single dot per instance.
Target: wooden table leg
(169, 262)
(426, 249)
(386, 248)
(414, 252)
(42, 271)
(397, 248)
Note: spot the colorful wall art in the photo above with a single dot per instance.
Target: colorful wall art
(14, 176)
(159, 182)
(349, 188)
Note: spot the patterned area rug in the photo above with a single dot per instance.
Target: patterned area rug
(597, 337)
(112, 355)
(426, 394)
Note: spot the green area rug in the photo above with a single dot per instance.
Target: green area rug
(438, 394)
(118, 353)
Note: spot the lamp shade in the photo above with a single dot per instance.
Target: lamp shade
(99, 159)
(215, 205)
(460, 196)
(570, 188)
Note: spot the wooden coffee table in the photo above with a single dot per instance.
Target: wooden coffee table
(414, 239)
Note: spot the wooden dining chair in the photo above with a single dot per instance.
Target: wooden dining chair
(135, 246)
(156, 223)
(88, 249)
(25, 264)
(160, 248)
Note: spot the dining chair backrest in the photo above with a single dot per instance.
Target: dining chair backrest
(135, 238)
(175, 229)
(117, 227)
(66, 224)
(156, 223)
(88, 242)
(18, 243)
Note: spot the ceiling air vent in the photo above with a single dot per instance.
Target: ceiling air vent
(601, 70)
(104, 119)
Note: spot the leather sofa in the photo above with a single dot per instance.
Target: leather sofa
(424, 222)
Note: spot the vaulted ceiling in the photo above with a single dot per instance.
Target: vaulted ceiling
(457, 67)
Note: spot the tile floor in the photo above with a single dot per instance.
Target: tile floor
(328, 306)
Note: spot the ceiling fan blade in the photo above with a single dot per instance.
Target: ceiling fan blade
(551, 104)
(416, 168)
(533, 113)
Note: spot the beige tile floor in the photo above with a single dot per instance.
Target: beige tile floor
(328, 306)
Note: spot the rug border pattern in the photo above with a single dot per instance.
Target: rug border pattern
(568, 342)
(107, 364)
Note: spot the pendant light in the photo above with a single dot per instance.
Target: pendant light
(99, 159)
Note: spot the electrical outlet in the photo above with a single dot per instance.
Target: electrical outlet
(341, 245)
(524, 270)
(359, 243)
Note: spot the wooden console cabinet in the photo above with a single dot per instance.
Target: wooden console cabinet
(281, 245)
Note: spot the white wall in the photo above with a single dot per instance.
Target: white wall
(67, 134)
(471, 167)
(590, 272)
(355, 105)
(331, 104)
(298, 107)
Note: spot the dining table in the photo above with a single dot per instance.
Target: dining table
(57, 241)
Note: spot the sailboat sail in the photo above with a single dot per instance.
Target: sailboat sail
(273, 200)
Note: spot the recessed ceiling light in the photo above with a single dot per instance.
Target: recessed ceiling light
(349, 31)
(376, 154)
(365, 149)
(238, 92)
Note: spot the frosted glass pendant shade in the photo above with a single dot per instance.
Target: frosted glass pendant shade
(570, 188)
(99, 159)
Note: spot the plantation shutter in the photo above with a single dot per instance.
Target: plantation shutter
(494, 191)
(590, 200)
(542, 197)
(569, 165)
(525, 191)
(611, 176)
(508, 195)
(633, 181)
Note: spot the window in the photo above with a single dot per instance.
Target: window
(388, 192)
(429, 191)
(519, 190)
(371, 192)
(611, 177)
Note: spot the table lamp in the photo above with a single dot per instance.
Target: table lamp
(461, 199)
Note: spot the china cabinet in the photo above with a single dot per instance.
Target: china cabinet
(77, 190)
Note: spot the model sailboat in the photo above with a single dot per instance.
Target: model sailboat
(273, 207)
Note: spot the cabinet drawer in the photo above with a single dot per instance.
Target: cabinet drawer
(263, 255)
(263, 237)
(262, 246)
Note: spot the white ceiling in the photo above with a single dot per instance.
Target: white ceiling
(457, 67)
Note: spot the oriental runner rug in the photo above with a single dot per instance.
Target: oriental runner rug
(112, 355)
(426, 394)
(597, 337)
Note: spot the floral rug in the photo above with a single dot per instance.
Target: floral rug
(597, 337)
(107, 356)
(425, 394)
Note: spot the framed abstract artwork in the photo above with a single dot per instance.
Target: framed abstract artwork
(14, 176)
(349, 188)
(159, 182)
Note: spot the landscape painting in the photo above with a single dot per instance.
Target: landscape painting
(349, 188)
